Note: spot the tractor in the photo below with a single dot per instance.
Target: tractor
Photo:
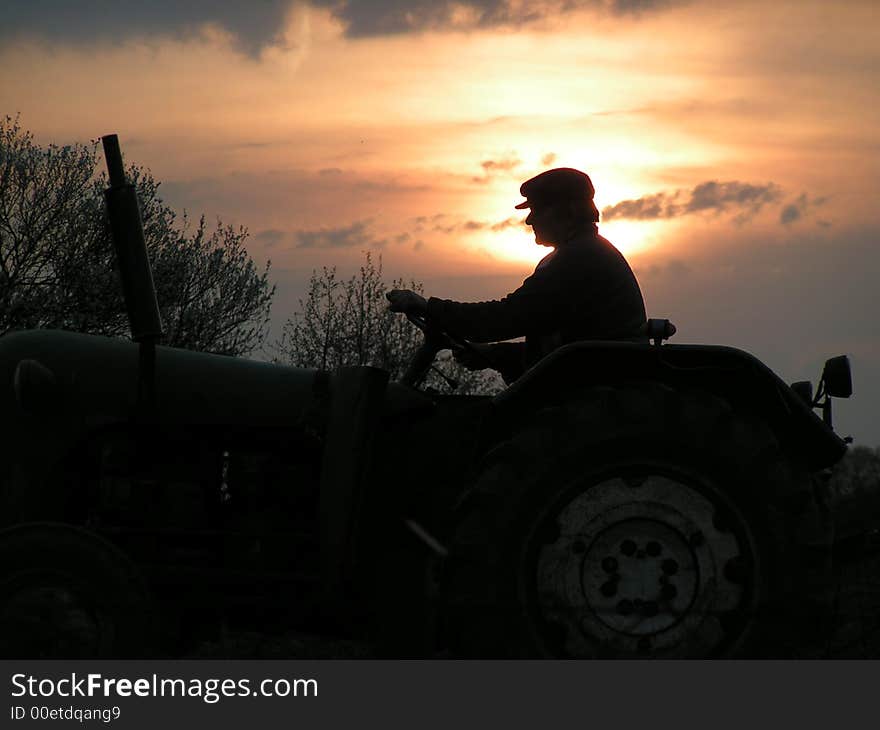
(619, 500)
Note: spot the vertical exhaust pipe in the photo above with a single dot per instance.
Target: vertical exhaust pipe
(138, 290)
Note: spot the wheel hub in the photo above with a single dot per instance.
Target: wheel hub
(644, 567)
(639, 577)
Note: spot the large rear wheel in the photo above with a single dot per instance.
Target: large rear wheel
(640, 521)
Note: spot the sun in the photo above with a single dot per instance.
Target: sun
(631, 238)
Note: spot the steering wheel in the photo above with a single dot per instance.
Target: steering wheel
(436, 339)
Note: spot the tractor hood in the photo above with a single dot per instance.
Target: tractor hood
(94, 380)
(57, 388)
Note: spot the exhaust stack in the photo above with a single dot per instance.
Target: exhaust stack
(138, 290)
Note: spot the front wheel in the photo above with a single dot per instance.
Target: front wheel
(639, 521)
(66, 593)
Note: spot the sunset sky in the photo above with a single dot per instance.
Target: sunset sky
(734, 146)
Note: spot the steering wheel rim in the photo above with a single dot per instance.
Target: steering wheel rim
(435, 340)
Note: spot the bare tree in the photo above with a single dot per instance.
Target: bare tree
(57, 267)
(347, 322)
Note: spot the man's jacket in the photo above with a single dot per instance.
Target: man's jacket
(584, 290)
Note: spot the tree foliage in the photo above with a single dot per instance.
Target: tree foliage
(57, 266)
(855, 492)
(857, 474)
(347, 322)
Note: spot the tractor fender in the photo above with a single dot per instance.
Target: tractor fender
(733, 374)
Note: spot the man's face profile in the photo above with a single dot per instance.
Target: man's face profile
(544, 220)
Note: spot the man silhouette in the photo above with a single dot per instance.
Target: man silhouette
(583, 290)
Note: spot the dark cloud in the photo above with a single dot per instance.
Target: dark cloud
(448, 229)
(252, 25)
(502, 165)
(393, 17)
(659, 205)
(798, 208)
(718, 196)
(493, 167)
(791, 212)
(270, 237)
(514, 222)
(436, 223)
(744, 199)
(355, 235)
(548, 159)
(256, 25)
(443, 223)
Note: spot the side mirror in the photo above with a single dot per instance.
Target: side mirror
(804, 390)
(837, 376)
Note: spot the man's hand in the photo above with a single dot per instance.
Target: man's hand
(406, 301)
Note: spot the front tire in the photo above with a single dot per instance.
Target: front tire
(639, 521)
(66, 593)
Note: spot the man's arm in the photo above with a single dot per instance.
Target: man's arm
(508, 358)
(529, 308)
(534, 307)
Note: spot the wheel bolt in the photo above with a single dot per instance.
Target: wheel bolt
(609, 564)
(669, 592)
(670, 567)
(654, 549)
(609, 589)
(624, 607)
(578, 547)
(628, 548)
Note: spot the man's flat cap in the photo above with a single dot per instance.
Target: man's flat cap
(562, 183)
